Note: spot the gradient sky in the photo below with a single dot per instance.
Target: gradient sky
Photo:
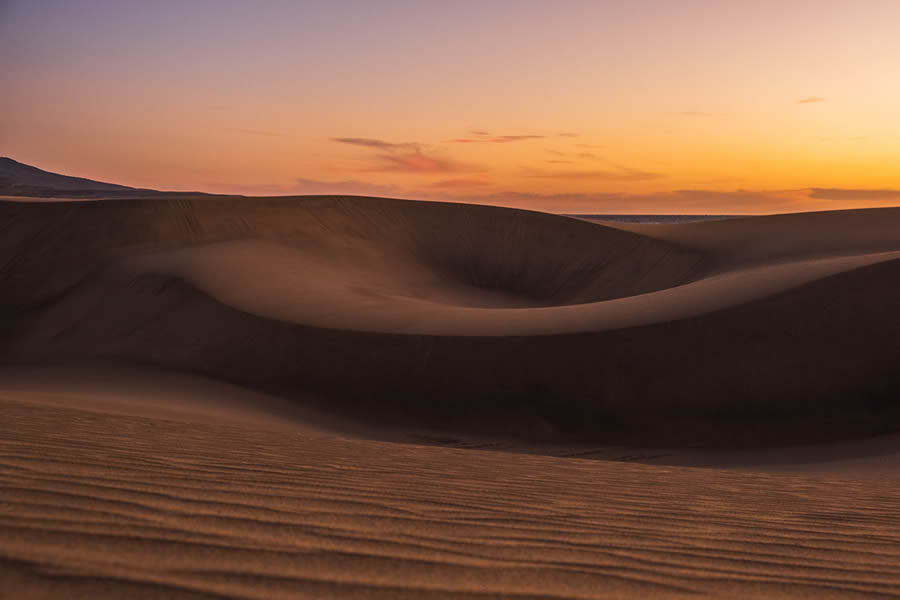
(718, 106)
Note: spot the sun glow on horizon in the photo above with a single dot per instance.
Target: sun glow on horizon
(592, 107)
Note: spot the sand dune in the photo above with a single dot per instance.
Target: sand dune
(477, 319)
(371, 398)
(541, 258)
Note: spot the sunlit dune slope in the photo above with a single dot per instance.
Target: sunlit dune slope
(477, 318)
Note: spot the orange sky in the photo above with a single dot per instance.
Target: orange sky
(588, 107)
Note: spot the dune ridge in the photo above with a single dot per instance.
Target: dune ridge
(543, 258)
(474, 318)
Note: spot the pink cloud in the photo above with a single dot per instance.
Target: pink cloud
(405, 157)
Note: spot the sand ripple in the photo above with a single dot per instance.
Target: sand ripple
(96, 504)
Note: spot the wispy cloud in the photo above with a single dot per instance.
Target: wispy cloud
(851, 194)
(496, 139)
(618, 174)
(375, 143)
(810, 100)
(587, 155)
(568, 134)
(404, 157)
(416, 162)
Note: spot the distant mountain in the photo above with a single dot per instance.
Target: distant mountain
(17, 179)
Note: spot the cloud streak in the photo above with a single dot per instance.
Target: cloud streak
(375, 143)
(619, 174)
(416, 162)
(810, 100)
(852, 194)
(485, 138)
(405, 157)
(588, 155)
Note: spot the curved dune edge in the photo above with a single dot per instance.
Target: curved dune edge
(106, 505)
(387, 312)
(812, 363)
(429, 250)
(278, 282)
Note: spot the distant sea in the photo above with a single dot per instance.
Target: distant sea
(656, 218)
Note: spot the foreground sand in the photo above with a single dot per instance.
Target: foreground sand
(137, 500)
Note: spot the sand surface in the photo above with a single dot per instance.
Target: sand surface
(101, 503)
(363, 398)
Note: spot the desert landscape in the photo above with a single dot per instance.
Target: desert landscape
(414, 299)
(220, 396)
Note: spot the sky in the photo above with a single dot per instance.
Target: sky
(634, 106)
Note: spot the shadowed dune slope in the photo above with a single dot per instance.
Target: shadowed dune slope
(99, 505)
(474, 318)
(815, 362)
(531, 258)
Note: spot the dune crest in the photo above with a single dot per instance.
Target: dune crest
(473, 318)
